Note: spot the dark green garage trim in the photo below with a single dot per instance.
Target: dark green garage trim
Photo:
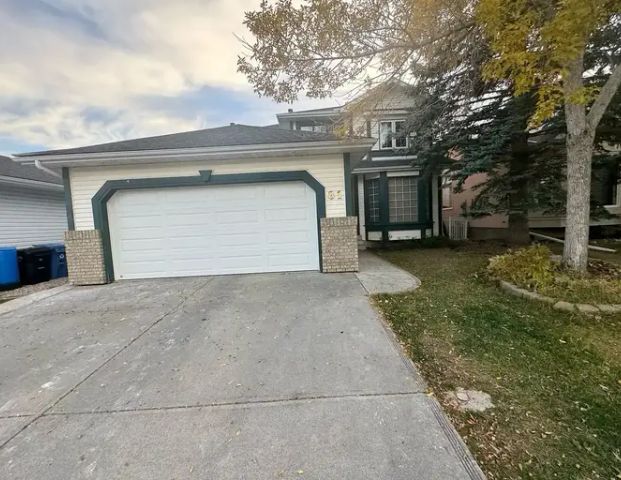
(68, 200)
(349, 200)
(205, 178)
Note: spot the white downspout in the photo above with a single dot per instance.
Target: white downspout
(37, 164)
(47, 170)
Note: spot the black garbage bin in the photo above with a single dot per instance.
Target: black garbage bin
(34, 264)
(58, 259)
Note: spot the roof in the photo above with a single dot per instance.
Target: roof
(382, 164)
(231, 135)
(328, 111)
(389, 86)
(8, 168)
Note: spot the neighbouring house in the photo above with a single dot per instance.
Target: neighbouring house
(393, 197)
(32, 206)
(605, 189)
(229, 200)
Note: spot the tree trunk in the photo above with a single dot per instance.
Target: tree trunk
(580, 137)
(579, 157)
(518, 196)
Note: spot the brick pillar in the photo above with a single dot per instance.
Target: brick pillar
(339, 244)
(85, 260)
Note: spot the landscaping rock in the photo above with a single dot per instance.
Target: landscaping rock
(470, 400)
(586, 308)
(565, 306)
(558, 305)
(549, 300)
(610, 308)
(512, 289)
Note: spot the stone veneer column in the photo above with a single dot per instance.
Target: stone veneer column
(339, 244)
(85, 259)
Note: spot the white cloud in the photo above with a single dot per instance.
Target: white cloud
(70, 57)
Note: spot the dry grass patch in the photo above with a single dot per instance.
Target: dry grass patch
(554, 377)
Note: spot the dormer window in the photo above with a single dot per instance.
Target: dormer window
(392, 134)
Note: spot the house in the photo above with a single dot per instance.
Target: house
(32, 205)
(227, 200)
(605, 188)
(393, 197)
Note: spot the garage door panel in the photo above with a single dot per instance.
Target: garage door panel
(284, 238)
(189, 268)
(146, 221)
(189, 242)
(137, 233)
(287, 261)
(292, 191)
(214, 230)
(148, 266)
(237, 194)
(240, 239)
(187, 219)
(224, 217)
(286, 214)
(287, 250)
(142, 244)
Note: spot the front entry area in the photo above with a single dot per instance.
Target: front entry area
(213, 230)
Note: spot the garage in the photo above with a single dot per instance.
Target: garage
(227, 200)
(213, 230)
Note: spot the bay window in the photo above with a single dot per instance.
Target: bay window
(373, 200)
(392, 199)
(403, 199)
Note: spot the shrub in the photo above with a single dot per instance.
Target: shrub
(533, 268)
(529, 267)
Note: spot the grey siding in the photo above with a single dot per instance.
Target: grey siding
(29, 216)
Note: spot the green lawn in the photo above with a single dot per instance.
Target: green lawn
(555, 378)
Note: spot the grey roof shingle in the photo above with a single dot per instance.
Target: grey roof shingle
(8, 168)
(231, 135)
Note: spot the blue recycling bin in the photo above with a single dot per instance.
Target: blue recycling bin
(58, 260)
(9, 271)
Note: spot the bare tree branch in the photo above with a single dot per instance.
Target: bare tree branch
(604, 98)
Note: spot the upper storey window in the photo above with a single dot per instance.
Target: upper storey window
(392, 134)
(314, 128)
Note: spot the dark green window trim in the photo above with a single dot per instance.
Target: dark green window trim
(205, 178)
(397, 226)
(349, 201)
(68, 200)
(383, 205)
(425, 220)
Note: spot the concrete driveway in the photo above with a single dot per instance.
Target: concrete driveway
(276, 376)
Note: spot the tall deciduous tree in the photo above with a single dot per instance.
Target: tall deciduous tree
(487, 124)
(537, 46)
(541, 45)
(321, 45)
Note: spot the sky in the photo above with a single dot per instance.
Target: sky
(79, 72)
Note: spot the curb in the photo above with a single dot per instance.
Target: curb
(460, 448)
(559, 304)
(26, 300)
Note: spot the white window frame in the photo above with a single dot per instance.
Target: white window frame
(416, 205)
(393, 131)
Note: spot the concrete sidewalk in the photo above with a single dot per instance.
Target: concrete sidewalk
(379, 276)
(252, 376)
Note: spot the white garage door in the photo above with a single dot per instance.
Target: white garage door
(213, 230)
